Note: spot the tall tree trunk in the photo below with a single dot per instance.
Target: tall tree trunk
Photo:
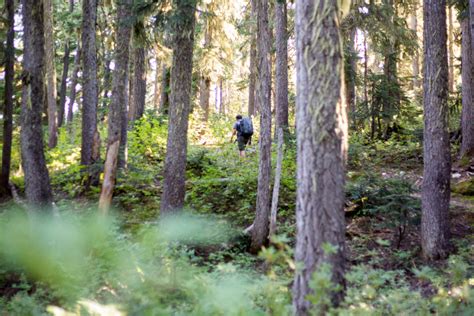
(205, 80)
(63, 89)
(8, 100)
(322, 148)
(416, 58)
(366, 71)
(221, 95)
(138, 93)
(261, 223)
(50, 73)
(156, 90)
(165, 87)
(73, 91)
(281, 66)
(204, 95)
(181, 76)
(90, 136)
(107, 81)
(437, 160)
(37, 186)
(118, 102)
(467, 69)
(253, 60)
(451, 49)
(351, 75)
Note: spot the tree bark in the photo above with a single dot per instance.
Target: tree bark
(437, 159)
(276, 185)
(322, 148)
(261, 223)
(118, 103)
(351, 75)
(181, 76)
(139, 84)
(204, 95)
(205, 80)
(467, 69)
(8, 100)
(281, 66)
(50, 74)
(165, 86)
(37, 185)
(90, 83)
(156, 90)
(63, 89)
(451, 49)
(107, 81)
(73, 91)
(416, 58)
(253, 60)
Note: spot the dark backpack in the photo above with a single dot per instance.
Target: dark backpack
(246, 127)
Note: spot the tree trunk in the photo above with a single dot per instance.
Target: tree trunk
(204, 95)
(205, 80)
(118, 103)
(72, 95)
(50, 73)
(156, 90)
(63, 89)
(107, 81)
(253, 60)
(8, 100)
(261, 223)
(437, 161)
(276, 185)
(37, 186)
(165, 87)
(138, 94)
(181, 76)
(416, 58)
(351, 75)
(281, 66)
(322, 148)
(90, 87)
(467, 116)
(451, 50)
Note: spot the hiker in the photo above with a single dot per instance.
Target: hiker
(244, 129)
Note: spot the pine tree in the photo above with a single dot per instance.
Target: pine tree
(37, 185)
(437, 158)
(322, 145)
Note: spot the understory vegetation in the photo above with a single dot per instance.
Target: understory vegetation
(197, 263)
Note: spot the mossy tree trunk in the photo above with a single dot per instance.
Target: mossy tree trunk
(37, 185)
(172, 199)
(50, 74)
(322, 147)
(437, 158)
(90, 135)
(8, 100)
(138, 92)
(467, 119)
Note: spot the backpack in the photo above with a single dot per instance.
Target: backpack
(246, 127)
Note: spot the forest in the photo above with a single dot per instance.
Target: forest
(237, 157)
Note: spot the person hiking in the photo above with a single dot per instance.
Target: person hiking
(244, 129)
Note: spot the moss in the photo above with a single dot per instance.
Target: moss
(464, 187)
